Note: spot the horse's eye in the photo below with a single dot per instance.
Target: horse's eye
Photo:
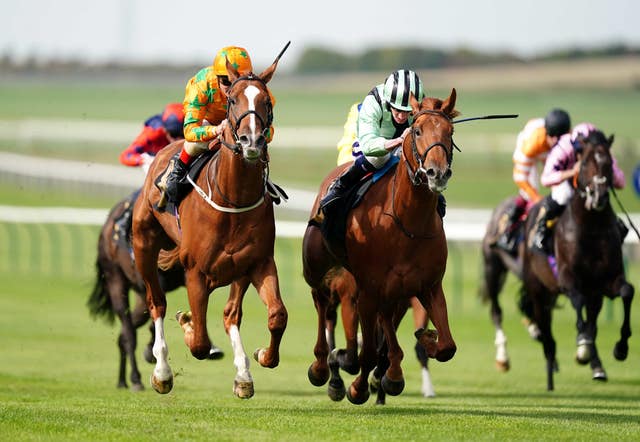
(417, 132)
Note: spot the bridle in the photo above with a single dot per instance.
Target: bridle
(590, 191)
(419, 175)
(235, 121)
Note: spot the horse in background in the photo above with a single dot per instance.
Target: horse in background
(343, 294)
(588, 262)
(223, 237)
(116, 275)
(497, 263)
(395, 248)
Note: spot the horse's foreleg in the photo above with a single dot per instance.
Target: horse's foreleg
(358, 392)
(421, 321)
(494, 277)
(194, 323)
(621, 349)
(349, 359)
(437, 308)
(318, 372)
(265, 280)
(393, 380)
(243, 382)
(591, 328)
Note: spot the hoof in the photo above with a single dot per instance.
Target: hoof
(137, 387)
(162, 387)
(503, 366)
(317, 380)
(583, 354)
(259, 356)
(446, 354)
(358, 400)
(215, 353)
(391, 387)
(621, 350)
(599, 374)
(374, 383)
(182, 317)
(243, 389)
(336, 390)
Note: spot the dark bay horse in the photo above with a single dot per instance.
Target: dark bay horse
(116, 276)
(395, 248)
(588, 252)
(225, 236)
(343, 295)
(497, 263)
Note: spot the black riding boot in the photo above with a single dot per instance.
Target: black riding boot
(442, 205)
(122, 225)
(549, 210)
(507, 239)
(177, 174)
(346, 181)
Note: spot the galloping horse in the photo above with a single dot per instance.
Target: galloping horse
(224, 237)
(588, 252)
(116, 275)
(395, 248)
(343, 293)
(496, 264)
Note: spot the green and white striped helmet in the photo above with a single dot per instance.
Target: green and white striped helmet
(397, 87)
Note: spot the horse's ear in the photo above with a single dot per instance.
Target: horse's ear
(268, 72)
(448, 106)
(232, 71)
(610, 140)
(415, 104)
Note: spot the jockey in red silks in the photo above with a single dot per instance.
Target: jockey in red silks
(205, 109)
(158, 131)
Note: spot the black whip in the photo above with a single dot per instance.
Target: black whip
(487, 117)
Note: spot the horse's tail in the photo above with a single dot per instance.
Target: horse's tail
(99, 302)
(167, 259)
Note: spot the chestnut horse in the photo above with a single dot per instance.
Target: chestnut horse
(588, 253)
(343, 293)
(395, 248)
(224, 237)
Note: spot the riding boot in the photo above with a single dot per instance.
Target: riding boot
(178, 170)
(549, 210)
(622, 227)
(346, 181)
(506, 225)
(122, 226)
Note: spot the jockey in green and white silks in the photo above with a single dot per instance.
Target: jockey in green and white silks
(383, 122)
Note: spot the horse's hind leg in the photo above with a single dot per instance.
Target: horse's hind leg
(593, 310)
(318, 372)
(265, 280)
(494, 277)
(621, 349)
(421, 321)
(345, 287)
(336, 389)
(243, 382)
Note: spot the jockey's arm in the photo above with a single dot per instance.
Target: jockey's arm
(371, 142)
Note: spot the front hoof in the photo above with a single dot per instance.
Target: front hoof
(503, 366)
(621, 351)
(162, 386)
(599, 374)
(260, 356)
(243, 389)
(137, 387)
(148, 355)
(336, 390)
(374, 383)
(357, 399)
(391, 387)
(317, 379)
(215, 353)
(583, 354)
(446, 354)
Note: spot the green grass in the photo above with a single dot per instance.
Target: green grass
(58, 376)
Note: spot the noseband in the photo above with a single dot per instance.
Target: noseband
(265, 121)
(419, 176)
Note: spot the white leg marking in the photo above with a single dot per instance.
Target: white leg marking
(427, 386)
(240, 359)
(162, 371)
(501, 346)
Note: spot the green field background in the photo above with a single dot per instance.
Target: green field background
(58, 367)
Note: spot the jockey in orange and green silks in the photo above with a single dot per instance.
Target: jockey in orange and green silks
(205, 110)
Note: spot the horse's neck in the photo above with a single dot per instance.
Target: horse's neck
(586, 222)
(414, 206)
(237, 180)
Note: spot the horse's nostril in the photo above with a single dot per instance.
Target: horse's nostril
(448, 173)
(244, 140)
(431, 172)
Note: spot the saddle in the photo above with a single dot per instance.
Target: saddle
(333, 220)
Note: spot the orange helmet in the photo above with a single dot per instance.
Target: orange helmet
(238, 57)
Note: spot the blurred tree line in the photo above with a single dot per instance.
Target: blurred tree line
(316, 59)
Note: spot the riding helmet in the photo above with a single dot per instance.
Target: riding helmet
(397, 87)
(237, 56)
(557, 122)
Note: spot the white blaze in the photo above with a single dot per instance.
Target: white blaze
(251, 92)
